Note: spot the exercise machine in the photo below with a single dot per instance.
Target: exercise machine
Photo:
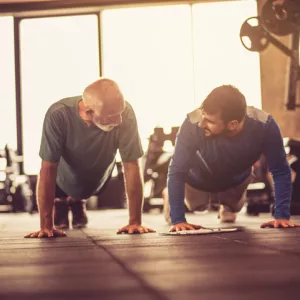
(281, 18)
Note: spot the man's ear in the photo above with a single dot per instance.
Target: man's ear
(232, 125)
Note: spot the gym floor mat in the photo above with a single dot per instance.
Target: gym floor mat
(96, 263)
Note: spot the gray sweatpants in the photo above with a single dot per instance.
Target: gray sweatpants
(234, 198)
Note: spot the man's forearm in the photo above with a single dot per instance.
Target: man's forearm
(134, 190)
(176, 194)
(283, 192)
(45, 197)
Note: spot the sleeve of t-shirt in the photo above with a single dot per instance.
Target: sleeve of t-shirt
(179, 166)
(279, 168)
(53, 135)
(130, 146)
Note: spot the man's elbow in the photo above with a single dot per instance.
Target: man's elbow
(130, 166)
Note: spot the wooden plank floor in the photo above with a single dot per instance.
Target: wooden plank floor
(96, 263)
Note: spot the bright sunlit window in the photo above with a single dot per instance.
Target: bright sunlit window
(166, 60)
(148, 51)
(59, 58)
(8, 134)
(220, 58)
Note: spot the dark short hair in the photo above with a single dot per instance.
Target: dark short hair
(227, 100)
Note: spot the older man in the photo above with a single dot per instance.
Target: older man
(80, 138)
(214, 152)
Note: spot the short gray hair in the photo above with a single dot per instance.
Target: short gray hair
(102, 91)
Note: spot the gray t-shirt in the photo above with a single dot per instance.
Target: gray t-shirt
(86, 155)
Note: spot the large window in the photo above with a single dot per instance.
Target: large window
(148, 51)
(166, 59)
(59, 57)
(220, 57)
(8, 133)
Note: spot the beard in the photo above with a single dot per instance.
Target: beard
(106, 128)
(210, 135)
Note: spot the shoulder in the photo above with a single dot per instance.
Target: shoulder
(258, 115)
(58, 112)
(262, 122)
(190, 129)
(128, 112)
(61, 107)
(128, 107)
(195, 116)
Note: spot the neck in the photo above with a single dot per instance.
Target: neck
(237, 130)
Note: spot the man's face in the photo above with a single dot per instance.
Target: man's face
(106, 118)
(213, 125)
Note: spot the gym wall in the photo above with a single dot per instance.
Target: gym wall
(274, 72)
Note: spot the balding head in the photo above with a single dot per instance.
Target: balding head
(104, 92)
(103, 102)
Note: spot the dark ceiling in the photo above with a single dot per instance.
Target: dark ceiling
(33, 5)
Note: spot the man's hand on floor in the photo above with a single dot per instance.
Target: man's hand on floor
(184, 226)
(277, 223)
(136, 228)
(46, 233)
